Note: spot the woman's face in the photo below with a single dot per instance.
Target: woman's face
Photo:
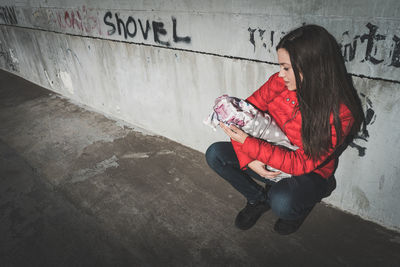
(286, 70)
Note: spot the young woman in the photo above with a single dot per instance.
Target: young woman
(314, 102)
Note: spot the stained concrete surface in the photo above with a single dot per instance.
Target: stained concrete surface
(79, 189)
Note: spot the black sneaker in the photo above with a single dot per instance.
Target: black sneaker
(248, 216)
(287, 227)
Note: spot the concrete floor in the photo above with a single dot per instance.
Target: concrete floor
(79, 189)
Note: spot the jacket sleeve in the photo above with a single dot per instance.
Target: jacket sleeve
(292, 162)
(243, 158)
(259, 99)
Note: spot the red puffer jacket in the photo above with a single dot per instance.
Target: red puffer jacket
(281, 104)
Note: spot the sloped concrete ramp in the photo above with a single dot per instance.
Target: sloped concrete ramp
(79, 189)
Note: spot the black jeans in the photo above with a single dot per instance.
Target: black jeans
(290, 198)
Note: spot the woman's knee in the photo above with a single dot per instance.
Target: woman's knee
(282, 201)
(212, 154)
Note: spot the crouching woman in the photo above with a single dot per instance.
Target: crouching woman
(313, 101)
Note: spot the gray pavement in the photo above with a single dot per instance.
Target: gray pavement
(80, 189)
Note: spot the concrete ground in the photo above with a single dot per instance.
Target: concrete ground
(79, 189)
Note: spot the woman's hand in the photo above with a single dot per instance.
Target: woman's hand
(259, 168)
(234, 132)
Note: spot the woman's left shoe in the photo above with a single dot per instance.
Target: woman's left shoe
(248, 216)
(287, 227)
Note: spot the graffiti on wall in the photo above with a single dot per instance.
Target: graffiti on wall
(131, 27)
(88, 21)
(264, 37)
(370, 117)
(10, 60)
(8, 15)
(370, 46)
(374, 46)
(80, 20)
(83, 20)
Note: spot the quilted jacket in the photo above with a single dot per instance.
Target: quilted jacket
(282, 105)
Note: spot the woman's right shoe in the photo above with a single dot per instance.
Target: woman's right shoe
(287, 227)
(248, 216)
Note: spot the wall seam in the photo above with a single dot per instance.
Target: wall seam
(186, 50)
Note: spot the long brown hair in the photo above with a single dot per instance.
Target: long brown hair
(323, 86)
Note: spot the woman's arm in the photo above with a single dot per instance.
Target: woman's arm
(259, 99)
(288, 161)
(292, 162)
(238, 137)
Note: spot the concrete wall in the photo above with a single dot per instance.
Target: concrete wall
(160, 65)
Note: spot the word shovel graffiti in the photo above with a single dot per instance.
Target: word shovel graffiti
(130, 27)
